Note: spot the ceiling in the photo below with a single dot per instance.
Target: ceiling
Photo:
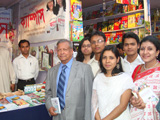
(85, 3)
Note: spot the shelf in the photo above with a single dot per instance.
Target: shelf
(156, 32)
(124, 29)
(96, 20)
(113, 44)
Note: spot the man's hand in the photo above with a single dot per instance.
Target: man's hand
(52, 111)
(137, 102)
(12, 87)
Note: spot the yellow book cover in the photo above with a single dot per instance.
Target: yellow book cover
(131, 21)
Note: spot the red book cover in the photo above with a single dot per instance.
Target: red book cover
(117, 23)
(124, 22)
(125, 1)
(119, 36)
(110, 25)
(108, 35)
(113, 37)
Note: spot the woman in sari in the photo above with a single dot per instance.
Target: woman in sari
(147, 79)
(111, 88)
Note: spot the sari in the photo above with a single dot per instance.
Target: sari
(151, 78)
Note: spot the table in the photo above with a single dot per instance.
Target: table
(30, 113)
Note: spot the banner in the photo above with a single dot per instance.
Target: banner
(44, 20)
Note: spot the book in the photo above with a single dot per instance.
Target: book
(76, 30)
(113, 38)
(124, 22)
(33, 102)
(126, 1)
(131, 7)
(110, 25)
(21, 103)
(131, 21)
(141, 33)
(117, 8)
(125, 8)
(76, 10)
(2, 108)
(119, 36)
(56, 104)
(107, 37)
(117, 23)
(25, 97)
(4, 101)
(11, 98)
(11, 106)
(136, 31)
(134, 2)
(119, 1)
(104, 26)
(139, 19)
(32, 95)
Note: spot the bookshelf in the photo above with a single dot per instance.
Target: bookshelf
(91, 20)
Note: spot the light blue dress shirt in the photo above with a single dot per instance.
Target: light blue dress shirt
(67, 70)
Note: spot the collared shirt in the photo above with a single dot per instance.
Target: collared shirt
(67, 71)
(129, 67)
(26, 68)
(95, 66)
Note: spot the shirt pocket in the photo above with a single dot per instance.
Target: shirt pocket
(32, 67)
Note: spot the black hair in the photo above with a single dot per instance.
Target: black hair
(23, 41)
(130, 35)
(116, 53)
(99, 33)
(120, 46)
(153, 40)
(56, 8)
(80, 56)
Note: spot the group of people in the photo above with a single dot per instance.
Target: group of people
(102, 85)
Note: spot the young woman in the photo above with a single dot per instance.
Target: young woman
(84, 51)
(149, 74)
(111, 88)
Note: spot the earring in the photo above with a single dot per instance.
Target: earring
(118, 66)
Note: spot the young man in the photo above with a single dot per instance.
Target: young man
(130, 43)
(71, 82)
(97, 43)
(25, 66)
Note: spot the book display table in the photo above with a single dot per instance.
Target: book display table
(30, 113)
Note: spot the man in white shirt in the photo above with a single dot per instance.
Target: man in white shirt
(97, 43)
(130, 43)
(25, 66)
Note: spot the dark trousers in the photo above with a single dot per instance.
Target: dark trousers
(22, 83)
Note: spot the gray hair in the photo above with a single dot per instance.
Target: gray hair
(65, 40)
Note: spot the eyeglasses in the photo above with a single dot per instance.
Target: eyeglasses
(88, 45)
(98, 41)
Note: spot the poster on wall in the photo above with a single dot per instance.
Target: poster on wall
(44, 20)
(5, 20)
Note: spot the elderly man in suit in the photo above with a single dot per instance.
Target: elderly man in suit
(71, 81)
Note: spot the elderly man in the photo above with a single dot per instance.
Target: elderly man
(71, 82)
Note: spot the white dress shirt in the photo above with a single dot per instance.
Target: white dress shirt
(129, 67)
(26, 68)
(95, 66)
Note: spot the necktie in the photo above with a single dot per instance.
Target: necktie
(61, 84)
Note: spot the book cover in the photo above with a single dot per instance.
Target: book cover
(131, 21)
(141, 33)
(139, 19)
(131, 7)
(113, 38)
(119, 36)
(4, 101)
(21, 103)
(117, 8)
(136, 31)
(25, 97)
(125, 8)
(117, 23)
(126, 1)
(56, 105)
(32, 95)
(11, 106)
(76, 10)
(110, 25)
(104, 26)
(33, 102)
(11, 98)
(76, 30)
(119, 1)
(108, 35)
(134, 2)
(124, 22)
(2, 108)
